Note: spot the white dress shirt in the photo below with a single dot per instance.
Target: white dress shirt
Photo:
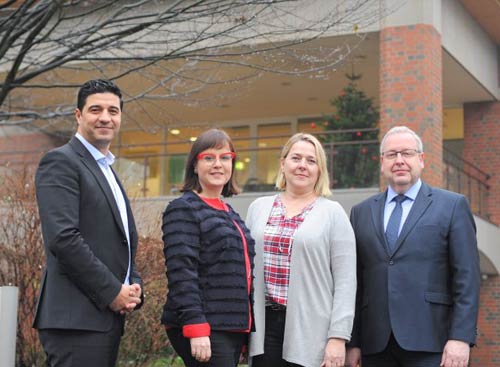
(104, 162)
(411, 195)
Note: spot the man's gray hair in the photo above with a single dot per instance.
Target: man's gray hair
(402, 130)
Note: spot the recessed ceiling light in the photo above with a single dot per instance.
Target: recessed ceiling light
(193, 138)
(175, 131)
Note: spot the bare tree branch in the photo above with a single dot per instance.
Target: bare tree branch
(167, 42)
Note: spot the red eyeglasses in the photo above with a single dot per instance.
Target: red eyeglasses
(210, 158)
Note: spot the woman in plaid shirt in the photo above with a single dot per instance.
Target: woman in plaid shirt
(305, 265)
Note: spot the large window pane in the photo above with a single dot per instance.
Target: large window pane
(270, 141)
(139, 162)
(240, 135)
(139, 175)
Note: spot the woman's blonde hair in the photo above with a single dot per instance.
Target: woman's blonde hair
(322, 186)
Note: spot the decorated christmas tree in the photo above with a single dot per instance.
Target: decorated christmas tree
(355, 152)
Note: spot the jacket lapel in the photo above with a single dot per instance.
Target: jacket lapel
(93, 167)
(377, 210)
(420, 206)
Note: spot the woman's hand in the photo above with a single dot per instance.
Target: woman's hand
(334, 353)
(200, 348)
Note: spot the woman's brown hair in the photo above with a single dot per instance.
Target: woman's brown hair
(213, 138)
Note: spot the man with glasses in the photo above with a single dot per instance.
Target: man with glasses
(418, 267)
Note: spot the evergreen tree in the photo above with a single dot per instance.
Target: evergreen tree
(354, 164)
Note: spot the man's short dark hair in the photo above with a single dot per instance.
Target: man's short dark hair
(97, 86)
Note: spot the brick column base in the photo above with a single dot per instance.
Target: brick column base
(487, 351)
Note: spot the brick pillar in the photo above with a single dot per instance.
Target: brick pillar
(482, 148)
(411, 89)
(487, 352)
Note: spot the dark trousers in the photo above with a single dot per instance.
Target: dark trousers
(273, 341)
(395, 356)
(82, 348)
(226, 348)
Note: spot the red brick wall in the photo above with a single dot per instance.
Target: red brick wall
(482, 148)
(487, 351)
(32, 146)
(411, 89)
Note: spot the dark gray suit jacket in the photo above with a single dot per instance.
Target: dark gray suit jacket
(85, 243)
(427, 291)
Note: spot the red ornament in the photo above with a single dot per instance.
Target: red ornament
(313, 125)
(359, 133)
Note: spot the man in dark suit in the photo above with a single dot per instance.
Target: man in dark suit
(90, 281)
(418, 268)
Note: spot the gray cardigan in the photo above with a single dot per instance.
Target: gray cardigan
(322, 288)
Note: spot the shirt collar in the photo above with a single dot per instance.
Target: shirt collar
(411, 193)
(98, 156)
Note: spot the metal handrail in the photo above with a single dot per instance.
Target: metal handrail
(459, 175)
(450, 157)
(465, 178)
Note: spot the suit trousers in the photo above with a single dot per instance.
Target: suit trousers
(273, 341)
(82, 348)
(226, 348)
(395, 356)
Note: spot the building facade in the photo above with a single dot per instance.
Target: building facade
(432, 65)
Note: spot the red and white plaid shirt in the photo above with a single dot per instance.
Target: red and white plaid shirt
(278, 239)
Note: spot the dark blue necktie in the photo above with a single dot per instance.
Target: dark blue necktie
(391, 232)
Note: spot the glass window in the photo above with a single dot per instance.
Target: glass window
(139, 162)
(139, 175)
(153, 164)
(240, 135)
(270, 141)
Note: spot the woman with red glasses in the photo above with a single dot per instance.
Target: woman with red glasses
(209, 258)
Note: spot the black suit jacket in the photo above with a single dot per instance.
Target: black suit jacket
(85, 243)
(427, 291)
